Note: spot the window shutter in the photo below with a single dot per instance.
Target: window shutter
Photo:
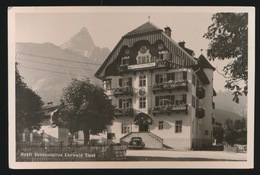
(173, 76)
(184, 98)
(184, 75)
(157, 78)
(157, 101)
(120, 103)
(130, 81)
(120, 82)
(172, 99)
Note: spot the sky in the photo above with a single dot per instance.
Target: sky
(108, 25)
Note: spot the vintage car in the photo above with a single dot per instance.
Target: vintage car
(136, 143)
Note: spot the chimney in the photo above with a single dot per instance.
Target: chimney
(182, 44)
(168, 31)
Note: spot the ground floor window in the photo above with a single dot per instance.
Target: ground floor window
(160, 125)
(111, 136)
(126, 128)
(178, 126)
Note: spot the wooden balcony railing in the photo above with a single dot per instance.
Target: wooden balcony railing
(168, 109)
(123, 91)
(124, 112)
(171, 85)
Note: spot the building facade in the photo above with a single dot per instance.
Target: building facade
(162, 93)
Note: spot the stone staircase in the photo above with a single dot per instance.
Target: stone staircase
(151, 140)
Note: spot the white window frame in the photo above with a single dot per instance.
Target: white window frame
(142, 102)
(178, 76)
(178, 126)
(160, 125)
(178, 98)
(142, 80)
(107, 84)
(125, 104)
(126, 128)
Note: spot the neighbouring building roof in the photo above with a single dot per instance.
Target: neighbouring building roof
(204, 63)
(146, 27)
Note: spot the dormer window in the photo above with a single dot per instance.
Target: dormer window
(143, 56)
(125, 60)
(164, 55)
(107, 84)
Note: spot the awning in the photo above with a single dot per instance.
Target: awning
(143, 118)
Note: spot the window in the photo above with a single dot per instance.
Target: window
(111, 136)
(180, 99)
(142, 80)
(126, 128)
(193, 79)
(164, 100)
(178, 126)
(171, 76)
(193, 101)
(125, 82)
(160, 125)
(143, 59)
(76, 134)
(161, 78)
(125, 103)
(206, 132)
(107, 84)
(125, 60)
(178, 76)
(142, 102)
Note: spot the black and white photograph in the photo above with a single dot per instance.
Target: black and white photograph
(131, 87)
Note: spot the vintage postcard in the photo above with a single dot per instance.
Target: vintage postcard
(131, 87)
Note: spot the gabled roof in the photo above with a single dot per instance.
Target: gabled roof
(204, 63)
(146, 27)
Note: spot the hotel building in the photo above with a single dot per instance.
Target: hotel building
(162, 93)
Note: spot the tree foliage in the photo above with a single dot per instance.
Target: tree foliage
(85, 107)
(228, 35)
(235, 132)
(28, 106)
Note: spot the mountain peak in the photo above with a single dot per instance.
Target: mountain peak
(84, 29)
(81, 42)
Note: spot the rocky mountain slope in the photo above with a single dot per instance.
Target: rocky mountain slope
(48, 68)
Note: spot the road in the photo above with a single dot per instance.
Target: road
(172, 155)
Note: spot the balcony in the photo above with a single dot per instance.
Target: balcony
(124, 112)
(200, 92)
(200, 112)
(168, 109)
(123, 91)
(171, 85)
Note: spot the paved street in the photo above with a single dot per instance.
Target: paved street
(171, 155)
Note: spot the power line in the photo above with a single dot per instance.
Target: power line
(53, 71)
(54, 64)
(46, 57)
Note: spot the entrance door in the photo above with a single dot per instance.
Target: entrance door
(143, 127)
